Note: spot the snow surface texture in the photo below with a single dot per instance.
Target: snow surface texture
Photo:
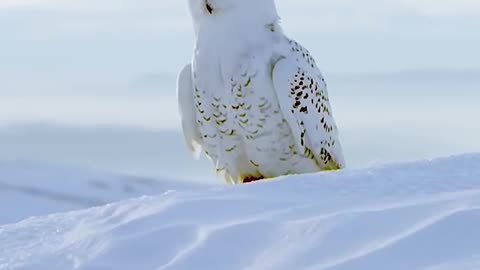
(30, 189)
(423, 215)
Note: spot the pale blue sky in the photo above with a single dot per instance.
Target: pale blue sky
(104, 46)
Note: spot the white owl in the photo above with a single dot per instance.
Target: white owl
(252, 99)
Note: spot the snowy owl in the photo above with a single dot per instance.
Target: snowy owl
(252, 99)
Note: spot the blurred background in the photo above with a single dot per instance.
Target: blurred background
(92, 83)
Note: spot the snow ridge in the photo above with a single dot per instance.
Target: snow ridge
(422, 215)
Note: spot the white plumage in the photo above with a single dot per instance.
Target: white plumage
(252, 99)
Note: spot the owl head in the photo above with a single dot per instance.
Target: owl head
(238, 11)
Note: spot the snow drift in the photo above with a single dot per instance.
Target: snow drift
(423, 215)
(30, 189)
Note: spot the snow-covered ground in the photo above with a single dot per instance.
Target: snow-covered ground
(31, 189)
(423, 215)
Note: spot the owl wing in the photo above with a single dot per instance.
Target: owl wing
(302, 94)
(188, 116)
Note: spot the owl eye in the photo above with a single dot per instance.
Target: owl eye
(209, 8)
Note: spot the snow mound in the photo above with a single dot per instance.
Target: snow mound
(423, 215)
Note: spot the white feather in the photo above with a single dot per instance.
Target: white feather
(303, 97)
(187, 111)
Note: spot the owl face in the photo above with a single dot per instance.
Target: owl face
(205, 9)
(213, 7)
(216, 10)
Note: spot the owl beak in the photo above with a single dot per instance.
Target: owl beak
(208, 7)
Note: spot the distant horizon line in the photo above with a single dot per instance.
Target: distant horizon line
(148, 83)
